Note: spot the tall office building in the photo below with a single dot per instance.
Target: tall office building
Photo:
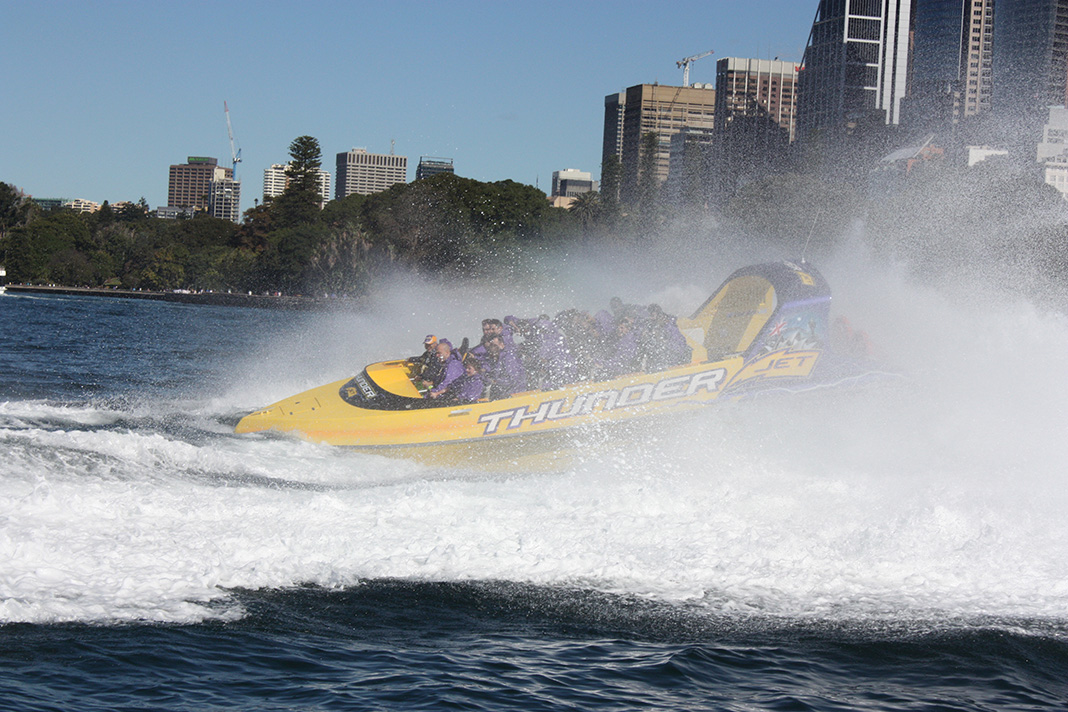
(756, 88)
(432, 166)
(614, 107)
(275, 181)
(653, 109)
(570, 182)
(1030, 65)
(691, 173)
(756, 102)
(1053, 150)
(612, 145)
(952, 67)
(365, 173)
(855, 67)
(189, 184)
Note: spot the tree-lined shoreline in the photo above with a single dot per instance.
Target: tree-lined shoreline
(941, 216)
(219, 299)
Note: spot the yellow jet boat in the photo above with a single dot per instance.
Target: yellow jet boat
(765, 327)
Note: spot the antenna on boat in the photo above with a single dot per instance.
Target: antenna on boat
(810, 232)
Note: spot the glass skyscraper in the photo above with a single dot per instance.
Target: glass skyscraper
(856, 65)
(1030, 57)
(952, 70)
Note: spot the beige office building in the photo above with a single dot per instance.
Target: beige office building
(81, 205)
(654, 108)
(189, 185)
(365, 173)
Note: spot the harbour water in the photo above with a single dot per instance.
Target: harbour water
(901, 546)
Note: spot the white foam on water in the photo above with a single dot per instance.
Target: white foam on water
(937, 495)
(14, 412)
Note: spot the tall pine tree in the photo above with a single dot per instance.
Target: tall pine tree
(305, 158)
(300, 202)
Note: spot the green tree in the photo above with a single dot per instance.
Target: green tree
(339, 265)
(611, 179)
(166, 270)
(254, 232)
(128, 247)
(344, 211)
(305, 158)
(648, 184)
(72, 268)
(801, 213)
(201, 233)
(131, 212)
(299, 204)
(282, 266)
(31, 248)
(446, 220)
(14, 209)
(105, 216)
(586, 207)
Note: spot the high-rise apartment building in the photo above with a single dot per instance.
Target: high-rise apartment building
(189, 184)
(429, 166)
(275, 181)
(224, 199)
(1030, 64)
(855, 67)
(653, 109)
(365, 173)
(952, 65)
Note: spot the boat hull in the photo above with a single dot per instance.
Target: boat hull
(323, 415)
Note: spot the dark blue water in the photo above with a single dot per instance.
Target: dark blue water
(881, 550)
(391, 645)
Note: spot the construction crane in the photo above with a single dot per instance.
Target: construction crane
(234, 155)
(684, 64)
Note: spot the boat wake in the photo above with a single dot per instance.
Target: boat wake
(752, 510)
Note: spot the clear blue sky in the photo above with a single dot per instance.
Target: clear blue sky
(97, 99)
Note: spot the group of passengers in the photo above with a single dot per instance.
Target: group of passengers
(572, 347)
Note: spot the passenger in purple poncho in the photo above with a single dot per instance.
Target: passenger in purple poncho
(548, 361)
(468, 388)
(624, 357)
(452, 368)
(606, 325)
(491, 328)
(504, 372)
(662, 344)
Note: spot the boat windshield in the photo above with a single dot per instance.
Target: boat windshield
(386, 386)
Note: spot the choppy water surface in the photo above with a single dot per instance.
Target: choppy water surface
(899, 546)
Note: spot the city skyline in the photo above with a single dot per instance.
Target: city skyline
(106, 97)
